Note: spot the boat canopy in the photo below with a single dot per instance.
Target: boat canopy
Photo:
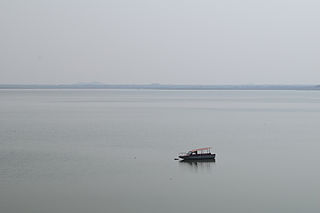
(201, 149)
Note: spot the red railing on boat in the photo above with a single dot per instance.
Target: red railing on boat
(201, 149)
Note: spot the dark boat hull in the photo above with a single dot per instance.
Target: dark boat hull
(198, 157)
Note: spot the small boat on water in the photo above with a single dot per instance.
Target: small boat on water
(198, 154)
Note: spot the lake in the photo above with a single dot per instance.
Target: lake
(113, 151)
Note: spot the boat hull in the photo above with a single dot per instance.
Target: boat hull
(198, 157)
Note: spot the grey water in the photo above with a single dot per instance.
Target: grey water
(113, 151)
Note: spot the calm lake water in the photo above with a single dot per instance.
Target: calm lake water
(112, 151)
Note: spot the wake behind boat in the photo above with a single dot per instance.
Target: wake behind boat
(198, 154)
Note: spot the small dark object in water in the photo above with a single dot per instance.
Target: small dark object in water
(176, 159)
(198, 154)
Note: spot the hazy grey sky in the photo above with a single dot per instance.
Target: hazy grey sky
(160, 41)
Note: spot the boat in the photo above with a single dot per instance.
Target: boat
(198, 154)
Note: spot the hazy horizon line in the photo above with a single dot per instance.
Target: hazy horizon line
(165, 84)
(155, 86)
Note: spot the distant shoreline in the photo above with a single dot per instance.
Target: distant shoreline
(160, 87)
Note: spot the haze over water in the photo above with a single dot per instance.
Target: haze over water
(113, 151)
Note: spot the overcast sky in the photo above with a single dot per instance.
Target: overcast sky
(160, 41)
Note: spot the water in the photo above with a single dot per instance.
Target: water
(113, 151)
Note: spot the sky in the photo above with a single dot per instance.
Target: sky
(160, 41)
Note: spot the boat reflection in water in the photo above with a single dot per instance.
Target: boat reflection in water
(198, 165)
